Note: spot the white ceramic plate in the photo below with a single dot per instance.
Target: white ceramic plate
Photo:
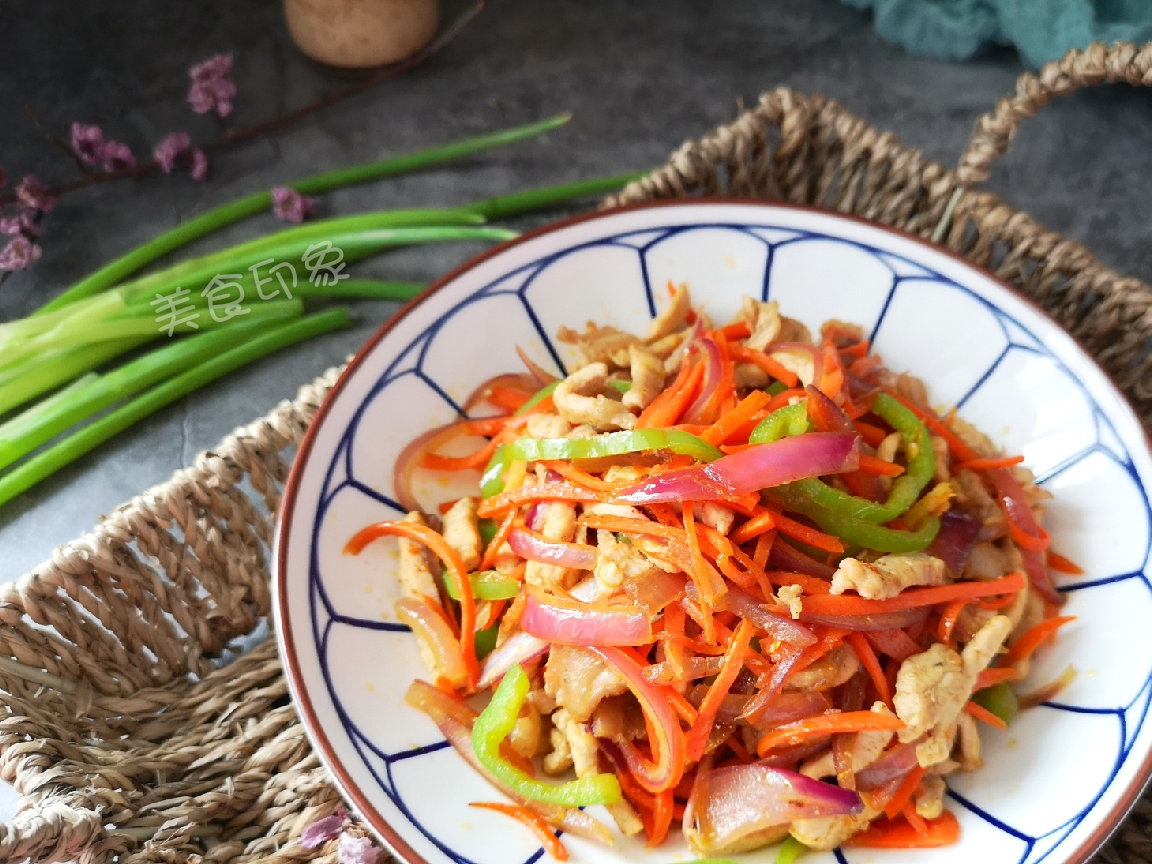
(1053, 785)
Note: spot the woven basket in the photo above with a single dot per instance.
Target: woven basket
(134, 732)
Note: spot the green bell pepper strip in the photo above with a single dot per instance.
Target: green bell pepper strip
(789, 421)
(486, 641)
(488, 529)
(620, 386)
(487, 585)
(609, 444)
(776, 388)
(854, 531)
(1000, 699)
(613, 444)
(540, 395)
(905, 489)
(495, 723)
(492, 480)
(790, 850)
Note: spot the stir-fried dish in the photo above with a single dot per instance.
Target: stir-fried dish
(733, 579)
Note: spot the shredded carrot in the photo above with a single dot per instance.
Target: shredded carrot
(507, 398)
(948, 620)
(873, 435)
(832, 379)
(763, 521)
(705, 577)
(581, 478)
(453, 563)
(770, 366)
(915, 819)
(994, 603)
(730, 421)
(995, 675)
(697, 738)
(904, 791)
(436, 462)
(811, 536)
(538, 492)
(875, 465)
(981, 463)
(982, 713)
(666, 408)
(533, 822)
(498, 540)
(763, 549)
(737, 330)
(846, 604)
(810, 584)
(1023, 539)
(800, 731)
(1062, 565)
(871, 663)
(899, 834)
(661, 817)
(1034, 638)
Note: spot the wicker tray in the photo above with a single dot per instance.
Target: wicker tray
(128, 723)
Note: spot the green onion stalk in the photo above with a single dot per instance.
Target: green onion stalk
(52, 459)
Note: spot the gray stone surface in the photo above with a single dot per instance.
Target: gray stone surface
(641, 77)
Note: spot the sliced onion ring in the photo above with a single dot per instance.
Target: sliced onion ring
(565, 622)
(536, 547)
(733, 807)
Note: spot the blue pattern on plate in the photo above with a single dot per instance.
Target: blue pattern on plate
(341, 473)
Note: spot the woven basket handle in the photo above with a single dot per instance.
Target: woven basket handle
(1121, 62)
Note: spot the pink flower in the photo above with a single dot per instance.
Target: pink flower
(18, 254)
(323, 830)
(118, 156)
(211, 87)
(170, 148)
(199, 165)
(88, 142)
(21, 224)
(33, 195)
(290, 205)
(219, 66)
(356, 850)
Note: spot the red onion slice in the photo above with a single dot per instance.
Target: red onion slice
(535, 547)
(567, 622)
(740, 602)
(895, 763)
(517, 648)
(733, 805)
(516, 381)
(785, 556)
(826, 415)
(881, 621)
(959, 532)
(760, 467)
(1012, 496)
(713, 373)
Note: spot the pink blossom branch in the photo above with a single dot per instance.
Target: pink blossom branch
(238, 136)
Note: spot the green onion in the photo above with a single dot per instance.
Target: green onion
(36, 375)
(42, 465)
(93, 393)
(113, 272)
(537, 199)
(65, 335)
(362, 288)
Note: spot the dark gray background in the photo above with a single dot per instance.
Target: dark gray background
(641, 77)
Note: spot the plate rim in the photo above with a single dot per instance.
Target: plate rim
(316, 735)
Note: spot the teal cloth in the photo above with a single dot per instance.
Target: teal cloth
(1041, 30)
